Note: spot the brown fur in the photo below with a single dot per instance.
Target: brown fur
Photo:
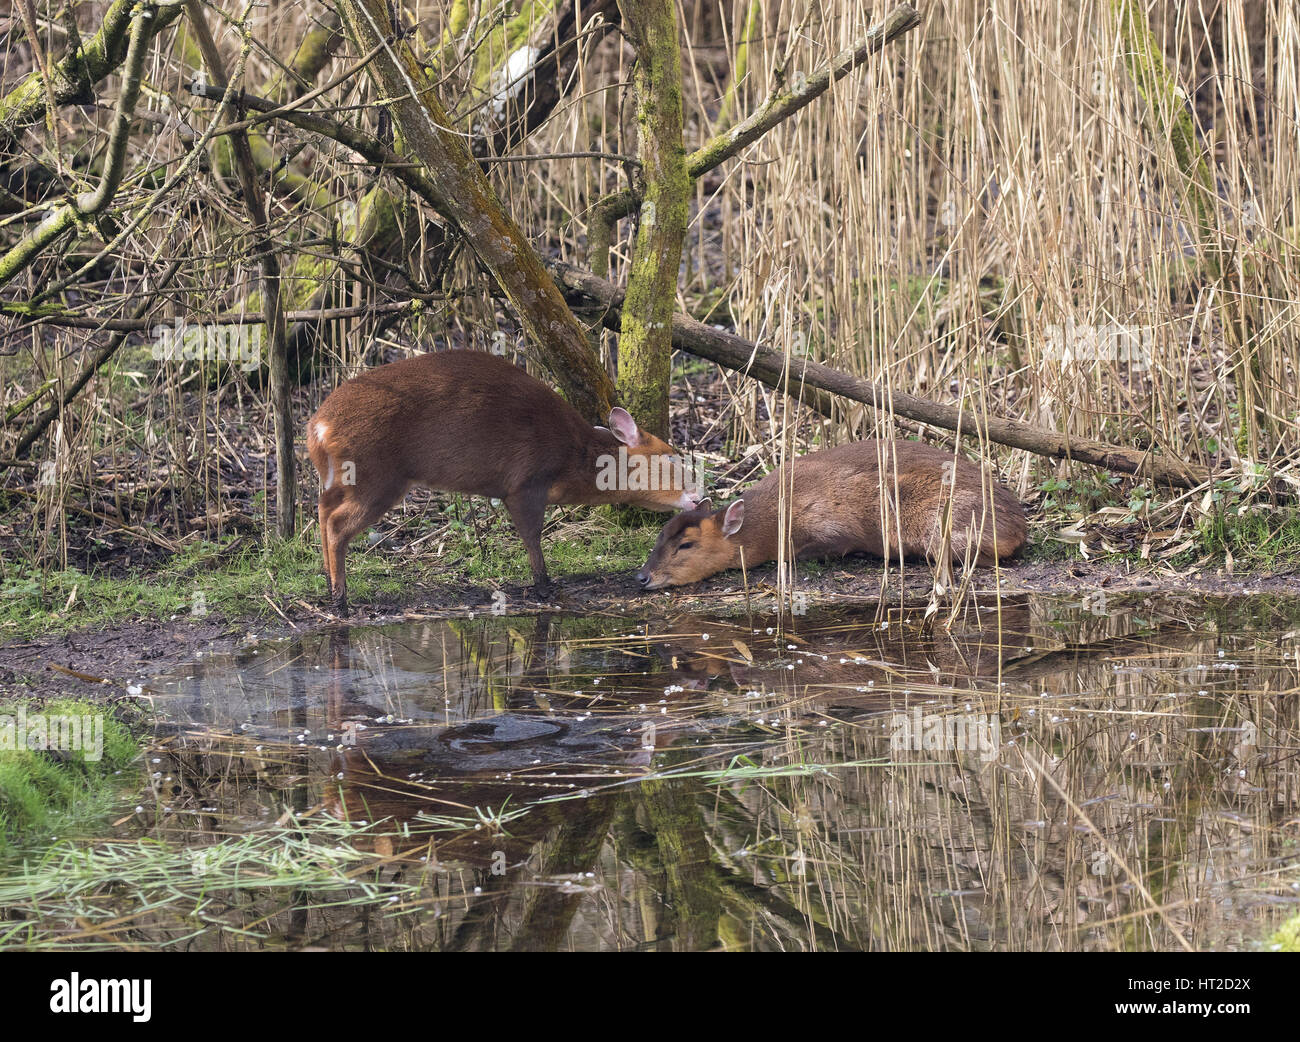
(470, 422)
(836, 508)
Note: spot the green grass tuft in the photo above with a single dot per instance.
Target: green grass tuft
(437, 547)
(1257, 540)
(46, 792)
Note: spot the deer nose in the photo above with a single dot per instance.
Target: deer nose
(643, 578)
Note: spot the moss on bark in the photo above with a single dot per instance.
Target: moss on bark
(645, 338)
(74, 77)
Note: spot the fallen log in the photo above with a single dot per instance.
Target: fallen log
(815, 382)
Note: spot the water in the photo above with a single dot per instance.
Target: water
(1042, 774)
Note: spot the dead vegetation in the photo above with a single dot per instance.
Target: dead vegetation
(1077, 216)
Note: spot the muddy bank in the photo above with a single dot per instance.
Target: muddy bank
(113, 661)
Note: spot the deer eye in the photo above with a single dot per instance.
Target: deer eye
(685, 546)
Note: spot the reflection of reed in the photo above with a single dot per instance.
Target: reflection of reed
(1122, 806)
(1145, 773)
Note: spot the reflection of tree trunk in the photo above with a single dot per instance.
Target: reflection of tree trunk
(692, 896)
(635, 847)
(745, 910)
(300, 794)
(574, 848)
(809, 926)
(505, 693)
(748, 904)
(1165, 840)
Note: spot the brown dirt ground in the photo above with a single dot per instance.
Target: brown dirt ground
(104, 662)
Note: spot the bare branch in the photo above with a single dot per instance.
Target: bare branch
(779, 107)
(75, 76)
(88, 204)
(93, 366)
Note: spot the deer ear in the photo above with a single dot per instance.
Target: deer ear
(733, 518)
(705, 504)
(624, 427)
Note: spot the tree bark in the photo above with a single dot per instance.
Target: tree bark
(645, 339)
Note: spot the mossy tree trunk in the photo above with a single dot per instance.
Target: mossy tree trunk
(314, 53)
(88, 207)
(466, 199)
(645, 336)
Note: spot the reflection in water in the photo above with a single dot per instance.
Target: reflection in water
(1035, 776)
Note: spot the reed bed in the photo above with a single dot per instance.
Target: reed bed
(1080, 214)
